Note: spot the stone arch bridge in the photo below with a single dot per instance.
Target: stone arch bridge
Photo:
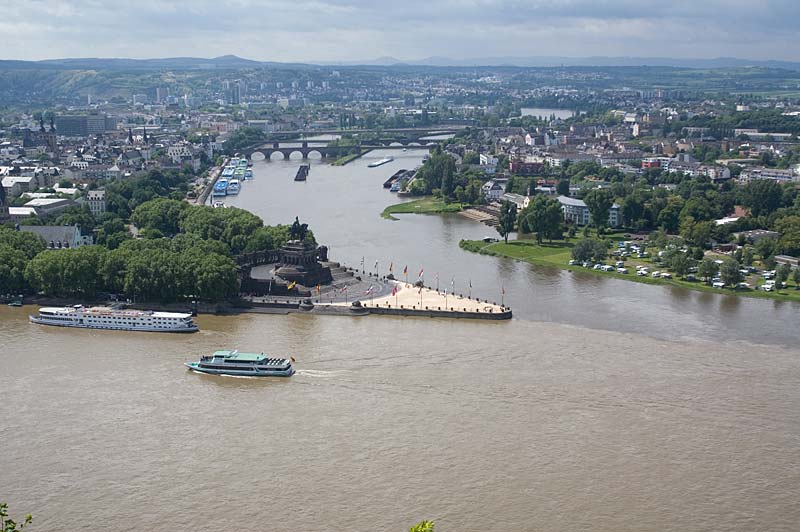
(267, 150)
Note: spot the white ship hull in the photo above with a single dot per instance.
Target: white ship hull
(115, 320)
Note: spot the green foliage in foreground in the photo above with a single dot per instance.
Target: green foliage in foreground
(9, 525)
(422, 526)
(426, 205)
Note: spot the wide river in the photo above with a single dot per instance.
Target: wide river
(603, 406)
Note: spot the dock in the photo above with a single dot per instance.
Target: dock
(302, 172)
(389, 182)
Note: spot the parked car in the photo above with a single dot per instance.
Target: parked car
(607, 268)
(691, 277)
(620, 264)
(743, 286)
(666, 275)
(573, 262)
(622, 270)
(656, 274)
(718, 284)
(768, 287)
(586, 264)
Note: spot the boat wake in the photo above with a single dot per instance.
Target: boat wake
(320, 374)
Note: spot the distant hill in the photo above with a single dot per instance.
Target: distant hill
(595, 61)
(234, 62)
(171, 63)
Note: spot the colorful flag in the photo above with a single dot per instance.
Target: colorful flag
(376, 264)
(391, 267)
(470, 283)
(344, 289)
(453, 282)
(405, 269)
(291, 285)
(319, 289)
(369, 291)
(503, 289)
(421, 271)
(394, 290)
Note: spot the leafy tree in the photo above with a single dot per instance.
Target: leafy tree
(680, 263)
(231, 226)
(765, 247)
(697, 233)
(669, 216)
(544, 217)
(563, 187)
(423, 526)
(599, 250)
(747, 256)
(161, 214)
(471, 157)
(12, 269)
(789, 241)
(782, 273)
(78, 215)
(762, 196)
(266, 238)
(599, 202)
(582, 250)
(729, 272)
(9, 525)
(633, 210)
(29, 243)
(707, 269)
(507, 219)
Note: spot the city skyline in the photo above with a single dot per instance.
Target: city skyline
(358, 31)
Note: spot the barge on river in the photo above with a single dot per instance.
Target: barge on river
(242, 364)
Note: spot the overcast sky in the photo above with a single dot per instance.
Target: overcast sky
(331, 30)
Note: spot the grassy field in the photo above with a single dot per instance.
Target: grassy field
(341, 161)
(426, 205)
(559, 253)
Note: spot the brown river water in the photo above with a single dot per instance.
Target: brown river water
(604, 405)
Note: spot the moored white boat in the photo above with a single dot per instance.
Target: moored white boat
(115, 319)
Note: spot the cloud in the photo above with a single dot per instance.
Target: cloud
(307, 30)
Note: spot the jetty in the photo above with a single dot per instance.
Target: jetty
(302, 172)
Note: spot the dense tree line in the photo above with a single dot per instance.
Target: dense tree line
(147, 269)
(185, 252)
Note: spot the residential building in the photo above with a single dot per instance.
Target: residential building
(492, 190)
(576, 211)
(96, 200)
(59, 236)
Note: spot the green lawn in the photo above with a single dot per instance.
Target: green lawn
(426, 205)
(341, 161)
(559, 253)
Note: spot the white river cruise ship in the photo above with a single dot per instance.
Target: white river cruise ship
(109, 318)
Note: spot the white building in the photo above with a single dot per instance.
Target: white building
(96, 200)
